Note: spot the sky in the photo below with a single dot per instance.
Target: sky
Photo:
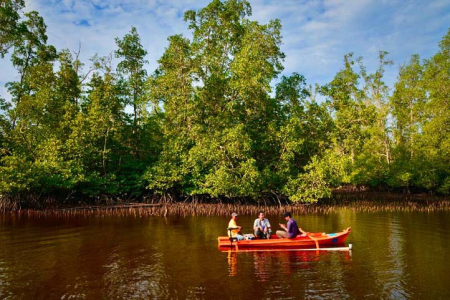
(316, 33)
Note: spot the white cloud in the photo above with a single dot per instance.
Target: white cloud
(4, 93)
(316, 34)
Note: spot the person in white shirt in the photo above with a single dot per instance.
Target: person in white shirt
(261, 227)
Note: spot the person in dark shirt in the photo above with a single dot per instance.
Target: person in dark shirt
(290, 230)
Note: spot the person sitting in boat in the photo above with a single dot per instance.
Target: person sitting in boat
(234, 229)
(290, 230)
(261, 227)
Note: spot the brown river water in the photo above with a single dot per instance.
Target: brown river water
(395, 255)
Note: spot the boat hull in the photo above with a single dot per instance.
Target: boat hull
(312, 240)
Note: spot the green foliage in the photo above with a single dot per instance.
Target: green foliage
(223, 165)
(352, 115)
(10, 28)
(321, 174)
(207, 122)
(214, 91)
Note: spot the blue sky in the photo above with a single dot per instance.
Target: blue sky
(316, 34)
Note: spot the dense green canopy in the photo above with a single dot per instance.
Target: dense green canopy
(210, 122)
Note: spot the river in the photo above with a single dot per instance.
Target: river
(395, 255)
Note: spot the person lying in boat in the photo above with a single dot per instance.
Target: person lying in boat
(290, 230)
(261, 227)
(234, 229)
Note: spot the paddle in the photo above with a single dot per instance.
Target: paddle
(314, 239)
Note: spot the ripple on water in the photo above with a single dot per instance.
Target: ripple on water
(395, 255)
(140, 274)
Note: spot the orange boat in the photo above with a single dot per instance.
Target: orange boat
(311, 240)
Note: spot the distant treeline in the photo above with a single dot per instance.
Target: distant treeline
(209, 122)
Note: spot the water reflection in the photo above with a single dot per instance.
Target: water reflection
(393, 281)
(291, 274)
(232, 262)
(395, 255)
(137, 275)
(264, 262)
(261, 263)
